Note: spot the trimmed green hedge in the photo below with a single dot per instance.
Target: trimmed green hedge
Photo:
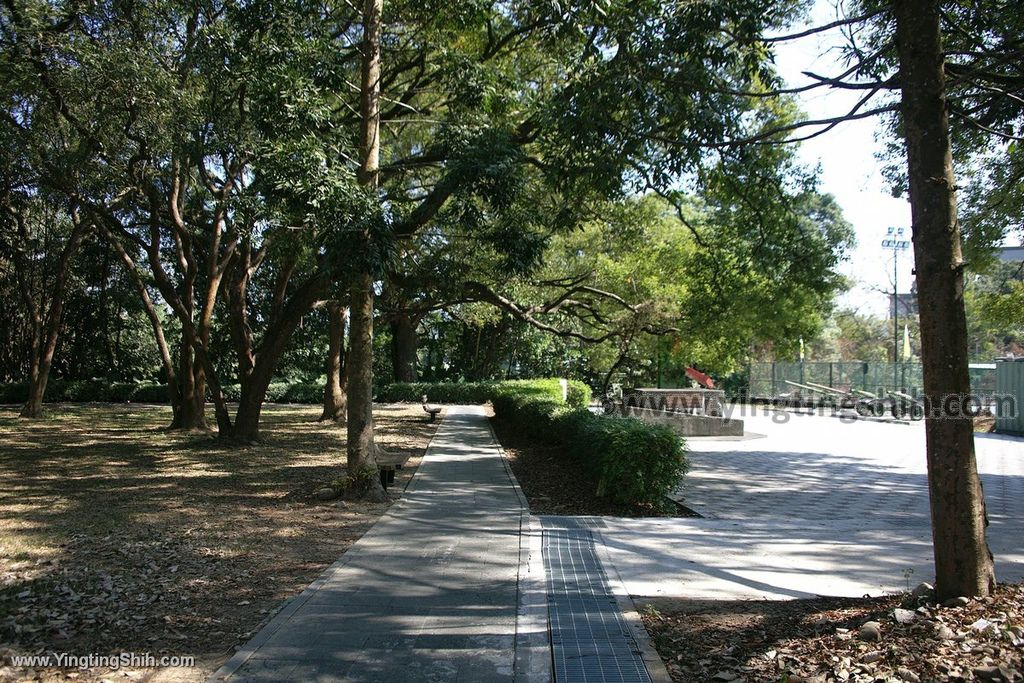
(633, 462)
(437, 392)
(100, 390)
(579, 393)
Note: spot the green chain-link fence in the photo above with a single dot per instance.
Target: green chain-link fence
(769, 380)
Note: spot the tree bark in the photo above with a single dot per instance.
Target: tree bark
(246, 428)
(362, 465)
(45, 336)
(963, 562)
(335, 401)
(191, 412)
(258, 363)
(404, 343)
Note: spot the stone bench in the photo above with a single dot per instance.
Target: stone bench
(388, 464)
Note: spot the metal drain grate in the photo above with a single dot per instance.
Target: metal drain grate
(590, 641)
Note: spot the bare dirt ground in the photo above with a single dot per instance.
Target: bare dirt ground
(119, 537)
(820, 640)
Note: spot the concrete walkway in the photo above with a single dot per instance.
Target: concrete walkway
(430, 593)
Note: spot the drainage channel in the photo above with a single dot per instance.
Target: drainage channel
(590, 641)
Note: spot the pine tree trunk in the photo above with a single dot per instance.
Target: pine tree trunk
(361, 450)
(361, 461)
(963, 562)
(335, 403)
(404, 342)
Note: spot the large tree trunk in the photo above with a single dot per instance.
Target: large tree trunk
(33, 407)
(246, 428)
(404, 343)
(191, 411)
(257, 365)
(963, 563)
(335, 403)
(362, 465)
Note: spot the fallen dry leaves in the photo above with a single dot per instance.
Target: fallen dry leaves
(821, 640)
(116, 536)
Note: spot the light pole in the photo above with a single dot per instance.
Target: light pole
(895, 241)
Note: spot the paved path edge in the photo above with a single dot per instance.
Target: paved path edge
(532, 662)
(292, 605)
(652, 660)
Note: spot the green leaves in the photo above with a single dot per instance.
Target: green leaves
(637, 463)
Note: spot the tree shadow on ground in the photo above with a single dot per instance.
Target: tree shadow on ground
(117, 535)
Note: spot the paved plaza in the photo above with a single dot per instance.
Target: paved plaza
(809, 505)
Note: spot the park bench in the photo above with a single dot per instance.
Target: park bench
(430, 410)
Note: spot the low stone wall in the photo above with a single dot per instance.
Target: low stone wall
(702, 401)
(684, 424)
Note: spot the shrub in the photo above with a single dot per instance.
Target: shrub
(633, 462)
(304, 392)
(275, 392)
(436, 392)
(123, 392)
(151, 392)
(80, 391)
(579, 394)
(13, 392)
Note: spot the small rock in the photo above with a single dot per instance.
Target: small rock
(325, 493)
(904, 616)
(872, 657)
(944, 633)
(923, 591)
(957, 602)
(725, 676)
(908, 675)
(1000, 674)
(982, 625)
(871, 631)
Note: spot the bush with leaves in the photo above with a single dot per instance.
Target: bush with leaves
(633, 462)
(436, 392)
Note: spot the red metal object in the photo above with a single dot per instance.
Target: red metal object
(700, 378)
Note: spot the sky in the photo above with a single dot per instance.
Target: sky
(850, 170)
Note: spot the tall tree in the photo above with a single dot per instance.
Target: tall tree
(35, 236)
(360, 444)
(963, 562)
